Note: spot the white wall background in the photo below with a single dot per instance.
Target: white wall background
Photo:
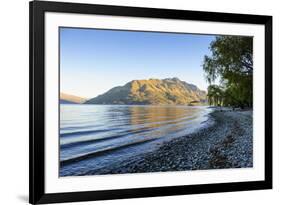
(14, 43)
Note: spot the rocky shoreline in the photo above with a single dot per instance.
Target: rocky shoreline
(227, 143)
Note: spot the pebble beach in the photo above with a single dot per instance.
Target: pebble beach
(226, 143)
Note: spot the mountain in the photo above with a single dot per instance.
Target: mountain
(71, 99)
(169, 91)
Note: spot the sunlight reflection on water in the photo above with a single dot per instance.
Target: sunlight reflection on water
(96, 136)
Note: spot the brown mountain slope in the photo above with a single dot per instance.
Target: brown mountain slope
(153, 91)
(71, 99)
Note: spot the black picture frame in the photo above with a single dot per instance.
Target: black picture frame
(37, 9)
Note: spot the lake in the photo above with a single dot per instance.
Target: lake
(95, 138)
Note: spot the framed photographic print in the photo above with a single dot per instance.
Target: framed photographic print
(140, 102)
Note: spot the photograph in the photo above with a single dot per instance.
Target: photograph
(148, 101)
(139, 101)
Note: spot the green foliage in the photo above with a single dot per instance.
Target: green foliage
(215, 95)
(231, 62)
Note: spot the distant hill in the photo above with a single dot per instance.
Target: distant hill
(169, 91)
(71, 99)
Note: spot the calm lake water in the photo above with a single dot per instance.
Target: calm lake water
(94, 138)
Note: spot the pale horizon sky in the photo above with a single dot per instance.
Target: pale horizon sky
(92, 61)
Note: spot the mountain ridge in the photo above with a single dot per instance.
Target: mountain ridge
(71, 99)
(168, 91)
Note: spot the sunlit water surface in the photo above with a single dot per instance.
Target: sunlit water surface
(94, 138)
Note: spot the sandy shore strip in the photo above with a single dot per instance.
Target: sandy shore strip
(228, 143)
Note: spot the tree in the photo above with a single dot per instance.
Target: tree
(231, 62)
(215, 95)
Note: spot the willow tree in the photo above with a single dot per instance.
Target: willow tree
(215, 95)
(231, 62)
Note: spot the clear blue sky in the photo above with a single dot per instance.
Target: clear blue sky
(93, 61)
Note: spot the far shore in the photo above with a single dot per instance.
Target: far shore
(227, 143)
